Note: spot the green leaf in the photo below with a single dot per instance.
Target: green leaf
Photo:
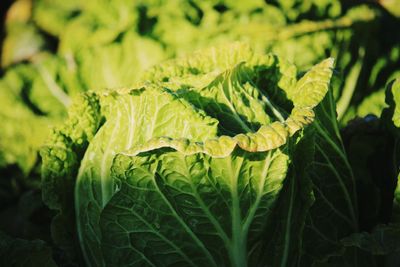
(392, 6)
(395, 90)
(203, 209)
(131, 118)
(117, 65)
(372, 104)
(21, 43)
(23, 129)
(334, 214)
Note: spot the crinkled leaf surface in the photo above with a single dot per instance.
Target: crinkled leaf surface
(190, 210)
(131, 118)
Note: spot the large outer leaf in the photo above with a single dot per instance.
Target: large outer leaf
(376, 181)
(132, 118)
(327, 180)
(190, 210)
(283, 232)
(334, 214)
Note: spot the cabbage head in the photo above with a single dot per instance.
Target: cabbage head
(223, 157)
